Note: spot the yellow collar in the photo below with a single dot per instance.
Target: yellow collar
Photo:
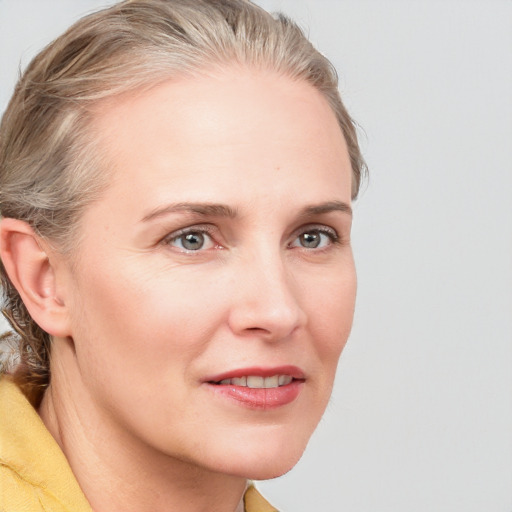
(28, 449)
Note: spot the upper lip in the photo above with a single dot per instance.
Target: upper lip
(259, 371)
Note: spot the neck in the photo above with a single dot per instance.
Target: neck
(118, 471)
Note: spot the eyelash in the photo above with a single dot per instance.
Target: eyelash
(333, 236)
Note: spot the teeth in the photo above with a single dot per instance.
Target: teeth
(284, 380)
(272, 382)
(242, 381)
(258, 382)
(255, 382)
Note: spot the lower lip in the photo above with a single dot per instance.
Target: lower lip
(260, 398)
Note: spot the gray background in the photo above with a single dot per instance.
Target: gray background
(421, 416)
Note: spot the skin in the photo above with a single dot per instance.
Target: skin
(147, 321)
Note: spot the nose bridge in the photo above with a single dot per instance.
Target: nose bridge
(267, 301)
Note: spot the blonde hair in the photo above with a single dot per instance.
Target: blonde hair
(50, 169)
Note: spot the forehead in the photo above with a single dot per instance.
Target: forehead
(239, 124)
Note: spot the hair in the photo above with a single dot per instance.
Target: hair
(50, 167)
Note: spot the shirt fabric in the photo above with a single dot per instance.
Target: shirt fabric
(34, 473)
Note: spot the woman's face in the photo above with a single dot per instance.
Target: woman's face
(214, 286)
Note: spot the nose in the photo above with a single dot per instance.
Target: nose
(266, 300)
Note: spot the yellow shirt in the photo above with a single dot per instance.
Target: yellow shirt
(34, 473)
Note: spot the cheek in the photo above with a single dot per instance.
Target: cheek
(331, 312)
(140, 335)
(144, 320)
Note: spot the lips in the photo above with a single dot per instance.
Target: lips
(259, 388)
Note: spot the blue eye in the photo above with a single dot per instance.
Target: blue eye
(193, 240)
(315, 239)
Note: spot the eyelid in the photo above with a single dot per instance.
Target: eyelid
(322, 228)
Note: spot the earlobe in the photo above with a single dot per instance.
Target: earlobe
(28, 264)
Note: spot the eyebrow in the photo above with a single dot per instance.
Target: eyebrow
(328, 207)
(222, 210)
(204, 209)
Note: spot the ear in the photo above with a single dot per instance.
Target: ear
(28, 263)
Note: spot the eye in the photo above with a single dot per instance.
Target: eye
(315, 238)
(191, 240)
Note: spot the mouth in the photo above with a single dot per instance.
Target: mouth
(259, 388)
(257, 382)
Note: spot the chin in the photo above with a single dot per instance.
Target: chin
(264, 462)
(270, 472)
(262, 470)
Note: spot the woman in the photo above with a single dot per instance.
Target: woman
(175, 186)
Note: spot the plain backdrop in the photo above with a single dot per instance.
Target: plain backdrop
(421, 416)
